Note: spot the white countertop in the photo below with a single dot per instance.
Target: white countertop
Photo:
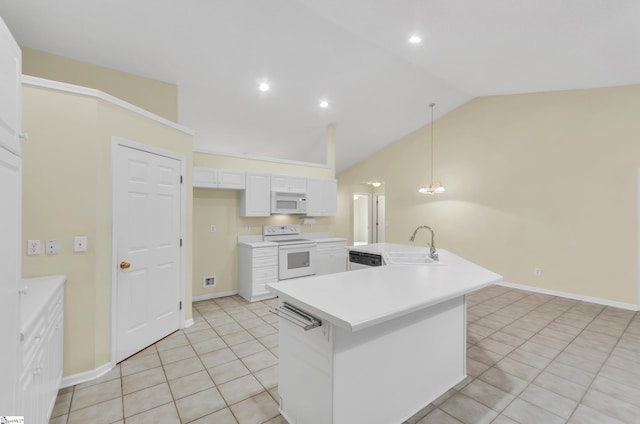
(39, 291)
(359, 299)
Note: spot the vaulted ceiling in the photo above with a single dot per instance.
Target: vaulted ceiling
(352, 53)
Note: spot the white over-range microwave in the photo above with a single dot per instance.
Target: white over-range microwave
(288, 202)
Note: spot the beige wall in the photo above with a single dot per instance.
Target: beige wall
(217, 253)
(547, 180)
(155, 96)
(67, 192)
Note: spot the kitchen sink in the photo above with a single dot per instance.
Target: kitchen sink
(410, 258)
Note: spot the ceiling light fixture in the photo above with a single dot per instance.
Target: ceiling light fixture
(376, 184)
(432, 188)
(415, 39)
(264, 87)
(324, 104)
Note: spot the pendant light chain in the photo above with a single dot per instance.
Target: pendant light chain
(432, 161)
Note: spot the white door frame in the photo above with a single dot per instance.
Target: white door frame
(115, 143)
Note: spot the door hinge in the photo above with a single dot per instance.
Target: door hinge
(180, 242)
(180, 179)
(181, 305)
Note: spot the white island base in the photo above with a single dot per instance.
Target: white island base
(382, 374)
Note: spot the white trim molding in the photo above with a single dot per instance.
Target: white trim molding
(260, 158)
(597, 300)
(92, 92)
(214, 295)
(85, 376)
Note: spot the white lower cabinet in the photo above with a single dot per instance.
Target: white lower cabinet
(257, 266)
(42, 347)
(331, 257)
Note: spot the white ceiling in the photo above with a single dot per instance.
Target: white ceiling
(352, 52)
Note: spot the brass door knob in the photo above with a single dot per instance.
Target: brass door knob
(124, 265)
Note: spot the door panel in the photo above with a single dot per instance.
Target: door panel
(148, 238)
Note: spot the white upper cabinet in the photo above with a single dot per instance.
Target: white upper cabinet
(218, 178)
(10, 91)
(288, 184)
(322, 197)
(255, 199)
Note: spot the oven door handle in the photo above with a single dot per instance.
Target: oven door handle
(297, 246)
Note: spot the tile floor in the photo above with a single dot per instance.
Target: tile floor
(531, 358)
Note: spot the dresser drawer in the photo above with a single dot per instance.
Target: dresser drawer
(265, 275)
(265, 261)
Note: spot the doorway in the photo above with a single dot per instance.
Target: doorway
(361, 219)
(148, 281)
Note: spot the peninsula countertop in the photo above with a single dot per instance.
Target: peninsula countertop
(358, 299)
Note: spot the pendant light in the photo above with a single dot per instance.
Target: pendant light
(432, 188)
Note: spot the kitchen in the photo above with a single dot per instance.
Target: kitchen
(497, 197)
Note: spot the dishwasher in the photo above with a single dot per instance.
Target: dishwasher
(359, 260)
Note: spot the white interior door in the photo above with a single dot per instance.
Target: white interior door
(148, 190)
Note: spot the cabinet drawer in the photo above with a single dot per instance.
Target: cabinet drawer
(260, 252)
(56, 304)
(265, 275)
(265, 261)
(32, 339)
(332, 246)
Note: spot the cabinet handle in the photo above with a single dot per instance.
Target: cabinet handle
(24, 290)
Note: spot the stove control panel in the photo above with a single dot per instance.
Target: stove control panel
(279, 230)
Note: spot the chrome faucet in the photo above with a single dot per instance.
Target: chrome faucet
(432, 247)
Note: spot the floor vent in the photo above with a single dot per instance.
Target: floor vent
(209, 281)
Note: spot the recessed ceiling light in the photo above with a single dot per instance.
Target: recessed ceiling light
(414, 39)
(264, 87)
(324, 104)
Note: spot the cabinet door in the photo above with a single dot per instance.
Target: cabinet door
(231, 179)
(10, 236)
(204, 177)
(314, 197)
(255, 200)
(279, 183)
(329, 197)
(297, 184)
(11, 89)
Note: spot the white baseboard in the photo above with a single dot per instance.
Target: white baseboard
(188, 323)
(599, 301)
(214, 295)
(83, 377)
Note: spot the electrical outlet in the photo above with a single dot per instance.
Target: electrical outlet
(209, 281)
(33, 247)
(51, 247)
(537, 272)
(80, 244)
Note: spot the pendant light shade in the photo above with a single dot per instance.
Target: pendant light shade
(432, 188)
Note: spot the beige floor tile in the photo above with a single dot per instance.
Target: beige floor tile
(437, 416)
(268, 377)
(277, 420)
(209, 345)
(611, 406)
(247, 348)
(586, 415)
(134, 365)
(483, 355)
(239, 389)
(560, 386)
(223, 416)
(62, 405)
(242, 316)
(61, 419)
(146, 399)
(502, 419)
(260, 360)
(203, 335)
(96, 394)
(468, 410)
(488, 395)
(231, 328)
(570, 373)
(538, 349)
(141, 380)
(228, 371)
(504, 381)
(190, 384)
(529, 358)
(101, 413)
(172, 341)
(199, 404)
(526, 413)
(144, 352)
(617, 390)
(253, 322)
(183, 367)
(165, 414)
(549, 401)
(236, 338)
(263, 330)
(256, 409)
(508, 339)
(218, 357)
(518, 369)
(176, 354)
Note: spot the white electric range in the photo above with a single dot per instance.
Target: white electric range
(296, 255)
